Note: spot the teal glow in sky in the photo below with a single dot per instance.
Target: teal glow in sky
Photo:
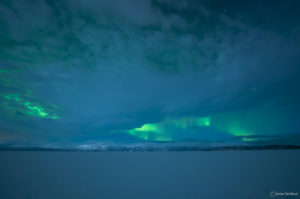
(164, 131)
(31, 109)
(136, 71)
(247, 126)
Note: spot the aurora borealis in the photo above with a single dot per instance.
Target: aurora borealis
(140, 71)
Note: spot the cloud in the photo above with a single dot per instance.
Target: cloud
(117, 65)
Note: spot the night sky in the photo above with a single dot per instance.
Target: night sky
(140, 71)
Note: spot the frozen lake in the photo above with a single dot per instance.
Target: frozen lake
(148, 175)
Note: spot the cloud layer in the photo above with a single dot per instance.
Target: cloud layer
(104, 68)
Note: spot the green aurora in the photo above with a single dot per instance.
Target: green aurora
(24, 102)
(244, 125)
(160, 131)
(27, 107)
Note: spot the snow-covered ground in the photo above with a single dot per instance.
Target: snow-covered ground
(149, 175)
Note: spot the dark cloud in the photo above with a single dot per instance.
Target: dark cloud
(108, 66)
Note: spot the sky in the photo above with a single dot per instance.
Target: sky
(140, 71)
